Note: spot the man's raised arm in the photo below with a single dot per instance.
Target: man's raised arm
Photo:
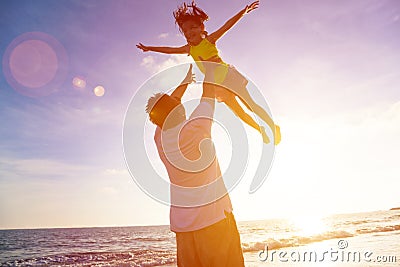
(180, 90)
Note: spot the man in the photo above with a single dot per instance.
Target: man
(201, 210)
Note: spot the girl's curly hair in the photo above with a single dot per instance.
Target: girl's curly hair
(187, 12)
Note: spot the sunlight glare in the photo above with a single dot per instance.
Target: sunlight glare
(309, 225)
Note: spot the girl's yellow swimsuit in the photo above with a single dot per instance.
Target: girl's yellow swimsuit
(209, 52)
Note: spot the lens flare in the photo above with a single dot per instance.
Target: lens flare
(79, 82)
(35, 64)
(99, 90)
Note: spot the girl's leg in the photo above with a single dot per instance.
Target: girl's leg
(248, 101)
(235, 83)
(232, 103)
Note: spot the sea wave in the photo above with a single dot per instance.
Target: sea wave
(137, 258)
(379, 229)
(393, 217)
(152, 239)
(294, 241)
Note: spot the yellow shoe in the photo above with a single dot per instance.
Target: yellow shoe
(277, 134)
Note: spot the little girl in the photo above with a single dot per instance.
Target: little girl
(202, 47)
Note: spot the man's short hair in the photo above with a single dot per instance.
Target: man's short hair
(159, 106)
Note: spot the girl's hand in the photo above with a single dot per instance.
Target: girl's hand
(251, 7)
(142, 47)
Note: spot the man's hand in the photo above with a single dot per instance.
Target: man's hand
(180, 90)
(190, 77)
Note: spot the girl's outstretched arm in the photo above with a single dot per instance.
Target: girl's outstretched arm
(164, 49)
(231, 22)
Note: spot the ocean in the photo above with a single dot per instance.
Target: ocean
(361, 239)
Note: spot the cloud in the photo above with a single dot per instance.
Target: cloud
(362, 143)
(163, 35)
(39, 168)
(64, 131)
(53, 193)
(155, 65)
(58, 118)
(116, 172)
(108, 190)
(380, 124)
(337, 158)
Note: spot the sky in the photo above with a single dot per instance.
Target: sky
(329, 70)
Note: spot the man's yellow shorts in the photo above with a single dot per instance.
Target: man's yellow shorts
(217, 245)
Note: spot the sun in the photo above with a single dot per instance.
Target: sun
(309, 225)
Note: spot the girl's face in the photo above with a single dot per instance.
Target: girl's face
(193, 31)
